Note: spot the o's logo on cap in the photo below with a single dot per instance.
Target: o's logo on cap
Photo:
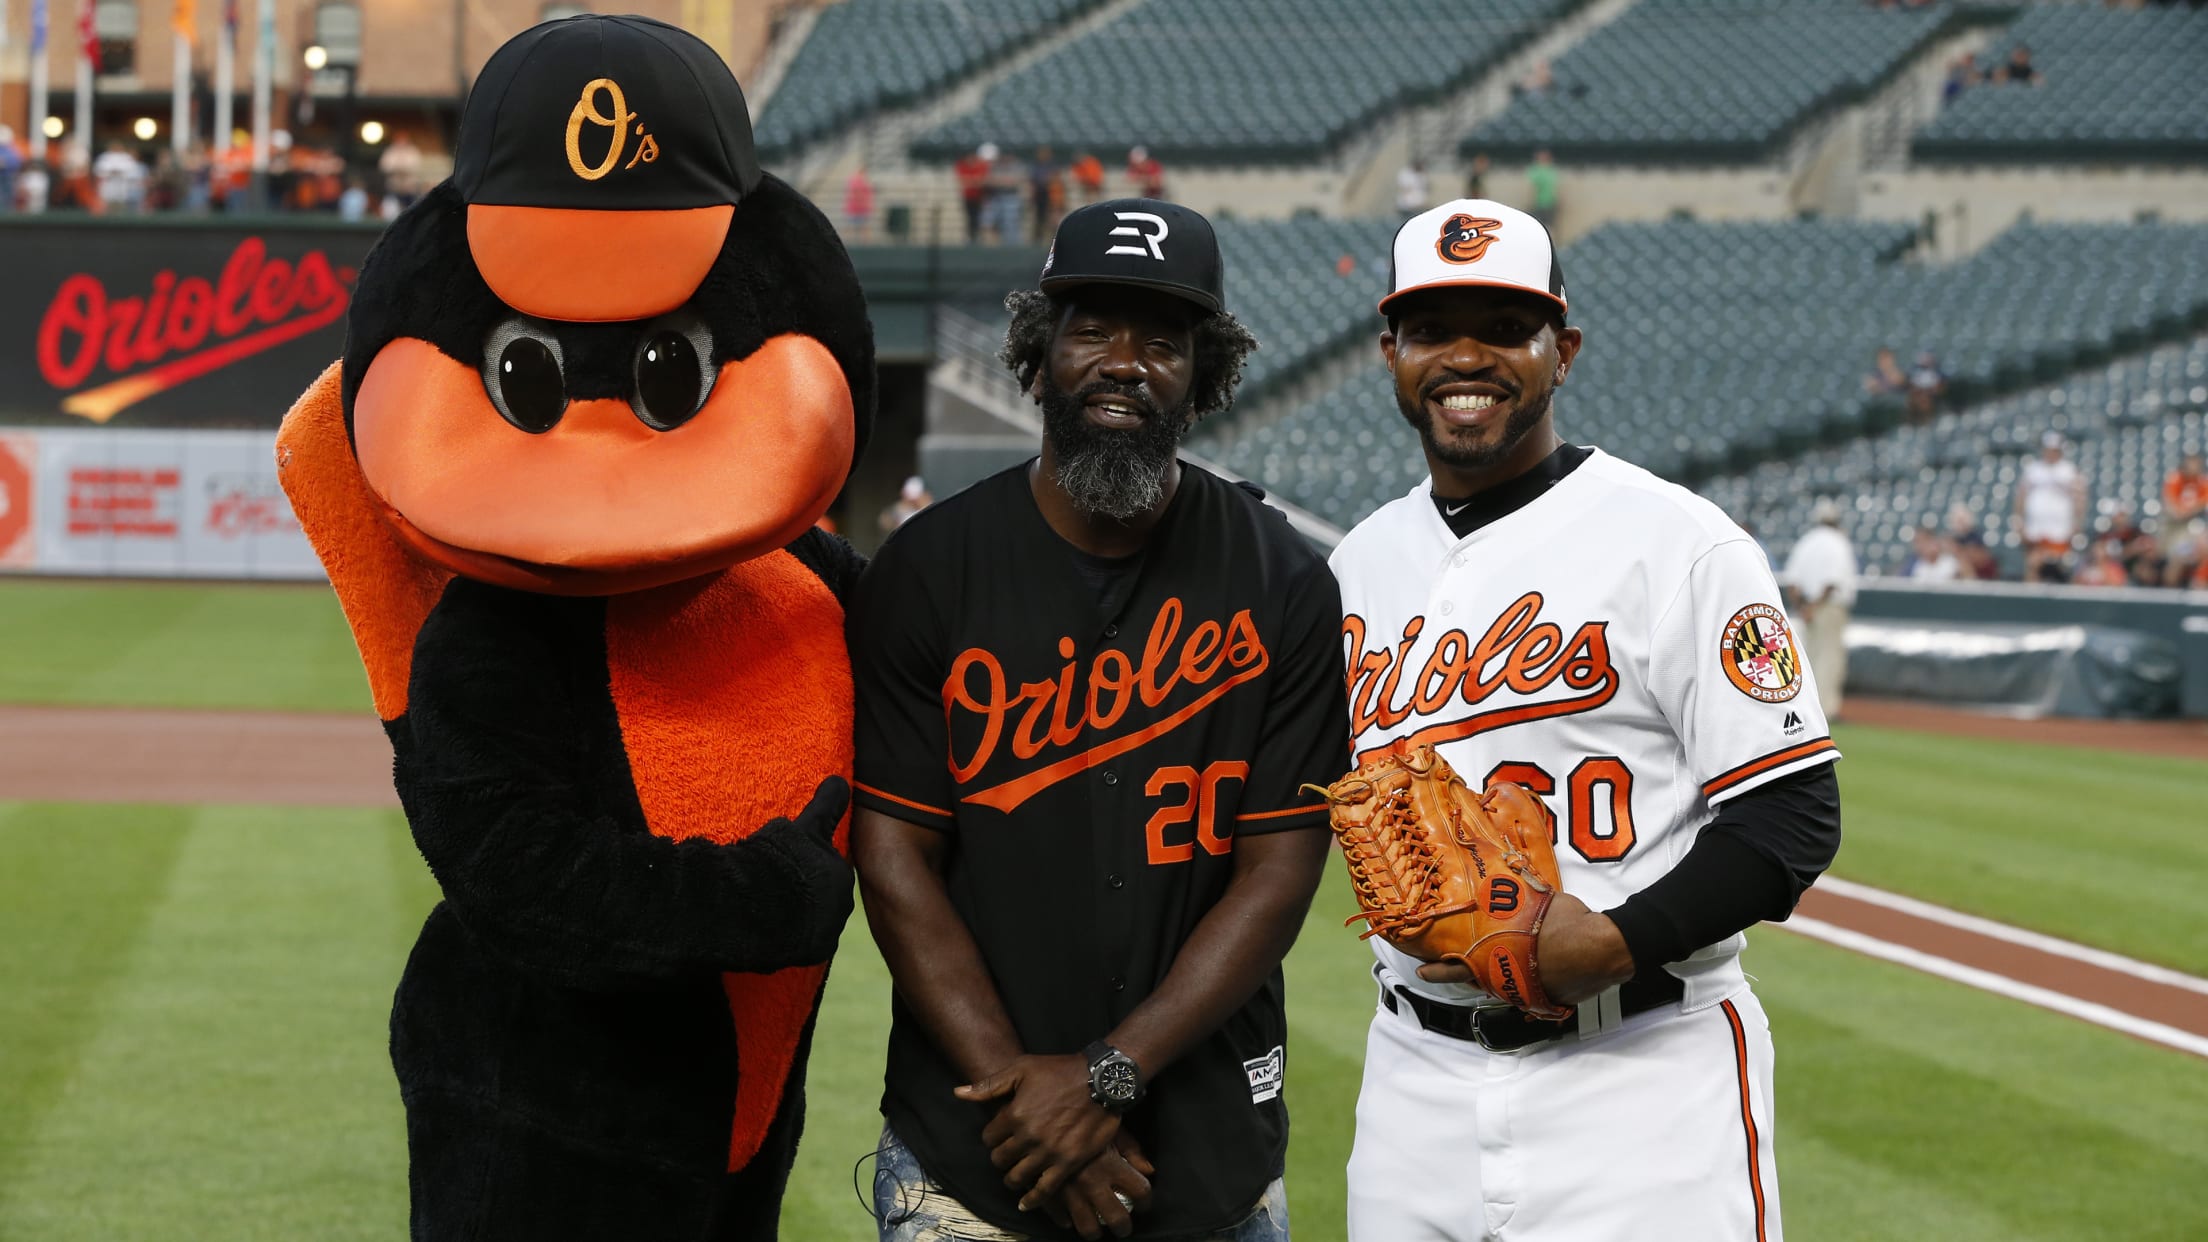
(586, 109)
(1465, 238)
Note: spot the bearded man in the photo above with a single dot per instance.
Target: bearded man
(1090, 690)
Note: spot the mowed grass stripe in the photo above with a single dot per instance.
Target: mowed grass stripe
(236, 1086)
(269, 646)
(77, 885)
(2094, 846)
(1911, 1107)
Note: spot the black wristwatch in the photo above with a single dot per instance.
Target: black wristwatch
(1115, 1081)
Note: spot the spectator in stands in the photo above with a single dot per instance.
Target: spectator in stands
(32, 186)
(2103, 566)
(972, 171)
(1000, 213)
(1969, 543)
(1820, 579)
(1927, 384)
(2139, 552)
(2184, 493)
(2018, 69)
(1885, 378)
(401, 166)
(352, 202)
(1046, 190)
(1088, 177)
(2187, 564)
(1411, 188)
(1542, 177)
(911, 499)
(1539, 81)
(858, 205)
(1475, 178)
(1931, 559)
(1962, 74)
(122, 180)
(11, 167)
(2050, 505)
(1147, 174)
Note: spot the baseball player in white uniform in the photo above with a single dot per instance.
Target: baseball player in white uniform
(1549, 614)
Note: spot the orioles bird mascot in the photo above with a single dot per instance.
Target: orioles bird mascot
(597, 389)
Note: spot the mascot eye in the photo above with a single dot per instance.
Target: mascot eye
(521, 372)
(674, 374)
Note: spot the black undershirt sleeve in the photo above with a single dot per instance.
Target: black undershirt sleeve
(1751, 864)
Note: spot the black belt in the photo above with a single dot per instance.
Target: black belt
(1500, 1028)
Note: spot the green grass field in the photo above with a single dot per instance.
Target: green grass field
(192, 1038)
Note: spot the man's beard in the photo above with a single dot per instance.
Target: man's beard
(1524, 417)
(1108, 473)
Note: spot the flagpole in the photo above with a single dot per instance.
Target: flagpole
(264, 73)
(180, 96)
(38, 80)
(225, 74)
(82, 138)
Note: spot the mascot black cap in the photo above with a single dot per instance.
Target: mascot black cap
(633, 121)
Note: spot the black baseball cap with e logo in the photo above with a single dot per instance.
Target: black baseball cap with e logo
(1142, 242)
(601, 159)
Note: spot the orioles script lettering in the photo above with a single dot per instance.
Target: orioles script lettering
(1076, 706)
(84, 327)
(1518, 652)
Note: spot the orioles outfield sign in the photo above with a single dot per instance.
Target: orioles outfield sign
(183, 326)
(1519, 652)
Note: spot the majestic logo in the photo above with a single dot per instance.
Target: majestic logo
(586, 110)
(1464, 238)
(1793, 723)
(1039, 717)
(1759, 655)
(1152, 237)
(183, 328)
(1519, 653)
(1266, 1074)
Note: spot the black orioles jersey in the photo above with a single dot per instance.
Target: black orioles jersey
(1093, 748)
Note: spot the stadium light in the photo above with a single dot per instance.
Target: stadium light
(316, 57)
(371, 132)
(55, 127)
(146, 128)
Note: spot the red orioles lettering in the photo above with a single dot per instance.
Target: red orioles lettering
(1042, 716)
(1519, 652)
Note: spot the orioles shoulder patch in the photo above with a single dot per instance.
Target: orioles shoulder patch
(1759, 654)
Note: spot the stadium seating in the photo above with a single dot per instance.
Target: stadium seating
(1242, 81)
(1710, 81)
(2128, 423)
(865, 55)
(2117, 85)
(1712, 346)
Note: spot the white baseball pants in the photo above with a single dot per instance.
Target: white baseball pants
(1659, 1129)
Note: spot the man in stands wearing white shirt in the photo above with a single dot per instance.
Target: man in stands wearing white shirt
(2050, 503)
(1820, 575)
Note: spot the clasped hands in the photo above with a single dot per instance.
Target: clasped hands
(1059, 1148)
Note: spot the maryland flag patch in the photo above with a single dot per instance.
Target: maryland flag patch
(1759, 655)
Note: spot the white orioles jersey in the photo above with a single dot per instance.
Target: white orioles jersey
(1617, 645)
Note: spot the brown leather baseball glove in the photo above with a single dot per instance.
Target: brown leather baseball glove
(1446, 875)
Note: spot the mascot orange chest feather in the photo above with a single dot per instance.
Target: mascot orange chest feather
(597, 389)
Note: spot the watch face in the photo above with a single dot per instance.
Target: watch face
(1115, 1079)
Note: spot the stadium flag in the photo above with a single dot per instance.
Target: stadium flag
(264, 78)
(184, 18)
(88, 36)
(226, 73)
(38, 79)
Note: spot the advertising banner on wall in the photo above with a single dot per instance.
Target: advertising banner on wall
(169, 324)
(199, 504)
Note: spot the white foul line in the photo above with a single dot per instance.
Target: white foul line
(2014, 935)
(2100, 1015)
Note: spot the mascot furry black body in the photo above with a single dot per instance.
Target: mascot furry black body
(596, 391)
